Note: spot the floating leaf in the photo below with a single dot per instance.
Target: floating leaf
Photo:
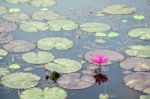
(6, 26)
(40, 57)
(147, 91)
(3, 10)
(33, 26)
(138, 50)
(95, 27)
(57, 25)
(47, 93)
(101, 34)
(54, 42)
(14, 10)
(3, 72)
(14, 66)
(138, 80)
(144, 96)
(20, 80)
(75, 81)
(112, 55)
(63, 65)
(100, 41)
(113, 34)
(118, 9)
(139, 17)
(19, 46)
(16, 1)
(103, 96)
(45, 15)
(42, 3)
(137, 64)
(5, 38)
(141, 33)
(3, 53)
(110, 34)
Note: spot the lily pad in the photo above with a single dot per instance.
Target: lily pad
(138, 50)
(3, 53)
(19, 46)
(111, 55)
(137, 64)
(103, 96)
(33, 26)
(3, 72)
(110, 34)
(45, 15)
(6, 26)
(5, 38)
(144, 96)
(139, 17)
(3, 10)
(17, 1)
(95, 27)
(47, 93)
(64, 65)
(42, 3)
(101, 34)
(20, 80)
(100, 41)
(54, 42)
(75, 81)
(118, 9)
(14, 10)
(40, 57)
(14, 66)
(138, 80)
(57, 25)
(141, 33)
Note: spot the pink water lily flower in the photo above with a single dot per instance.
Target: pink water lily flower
(99, 59)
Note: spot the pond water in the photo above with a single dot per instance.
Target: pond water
(82, 11)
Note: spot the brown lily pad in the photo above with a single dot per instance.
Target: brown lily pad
(137, 64)
(6, 26)
(75, 81)
(19, 46)
(5, 38)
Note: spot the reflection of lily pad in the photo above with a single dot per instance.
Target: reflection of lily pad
(42, 3)
(14, 10)
(144, 96)
(19, 46)
(138, 80)
(38, 58)
(138, 50)
(112, 55)
(16, 1)
(75, 81)
(47, 93)
(95, 27)
(14, 66)
(63, 65)
(3, 10)
(138, 64)
(57, 42)
(3, 71)
(20, 80)
(5, 38)
(33, 26)
(141, 33)
(6, 26)
(3, 53)
(57, 25)
(45, 15)
(118, 9)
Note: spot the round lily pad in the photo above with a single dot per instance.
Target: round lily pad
(40, 57)
(137, 64)
(75, 81)
(42, 3)
(64, 65)
(16, 1)
(19, 46)
(5, 38)
(14, 66)
(111, 55)
(110, 34)
(47, 93)
(103, 96)
(101, 41)
(20, 80)
(3, 71)
(118, 9)
(3, 53)
(57, 25)
(141, 33)
(33, 26)
(95, 27)
(138, 50)
(54, 42)
(14, 10)
(144, 96)
(138, 80)
(3, 10)
(45, 15)
(6, 26)
(139, 17)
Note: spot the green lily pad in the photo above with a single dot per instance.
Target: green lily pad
(3, 10)
(144, 96)
(141, 33)
(112, 34)
(3, 72)
(138, 50)
(101, 34)
(14, 10)
(103, 96)
(95, 27)
(33, 26)
(57, 25)
(64, 65)
(41, 57)
(3, 53)
(147, 91)
(54, 42)
(20, 80)
(42, 3)
(118, 9)
(101, 41)
(139, 17)
(14, 66)
(17, 1)
(45, 15)
(47, 93)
